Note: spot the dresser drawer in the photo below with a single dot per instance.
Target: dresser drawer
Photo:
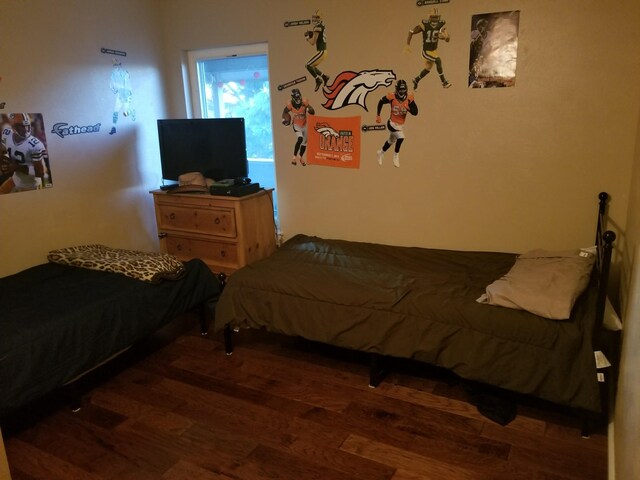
(212, 221)
(211, 252)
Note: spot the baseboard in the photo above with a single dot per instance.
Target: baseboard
(611, 457)
(4, 466)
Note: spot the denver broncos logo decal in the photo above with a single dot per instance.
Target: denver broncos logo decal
(351, 88)
(326, 130)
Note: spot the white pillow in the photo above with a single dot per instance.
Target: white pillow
(543, 282)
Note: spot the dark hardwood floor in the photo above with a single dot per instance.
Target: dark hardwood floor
(178, 408)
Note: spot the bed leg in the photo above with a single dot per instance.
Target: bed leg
(592, 422)
(73, 396)
(76, 405)
(586, 425)
(376, 371)
(228, 341)
(206, 316)
(222, 280)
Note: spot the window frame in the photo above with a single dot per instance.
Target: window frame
(194, 56)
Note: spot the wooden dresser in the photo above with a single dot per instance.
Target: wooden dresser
(225, 232)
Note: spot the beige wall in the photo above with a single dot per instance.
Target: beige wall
(497, 169)
(52, 65)
(500, 169)
(627, 413)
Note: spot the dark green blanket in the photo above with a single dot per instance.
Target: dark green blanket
(60, 321)
(416, 303)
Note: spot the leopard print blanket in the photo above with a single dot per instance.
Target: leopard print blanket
(145, 266)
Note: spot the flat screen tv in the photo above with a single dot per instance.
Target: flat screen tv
(216, 147)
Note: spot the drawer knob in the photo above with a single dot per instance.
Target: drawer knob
(179, 247)
(217, 221)
(223, 253)
(172, 216)
(162, 235)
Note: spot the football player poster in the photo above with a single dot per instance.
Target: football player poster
(493, 49)
(120, 84)
(333, 141)
(295, 114)
(24, 161)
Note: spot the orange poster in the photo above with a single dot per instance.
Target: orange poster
(333, 141)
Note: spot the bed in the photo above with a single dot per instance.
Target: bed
(59, 321)
(425, 304)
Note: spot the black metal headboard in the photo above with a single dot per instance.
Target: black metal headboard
(604, 244)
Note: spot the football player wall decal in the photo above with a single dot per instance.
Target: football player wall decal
(295, 114)
(317, 38)
(433, 30)
(401, 103)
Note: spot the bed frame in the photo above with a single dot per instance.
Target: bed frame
(604, 243)
(602, 342)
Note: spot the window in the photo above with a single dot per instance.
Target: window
(234, 82)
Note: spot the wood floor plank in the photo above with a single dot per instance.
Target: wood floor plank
(429, 399)
(139, 385)
(140, 412)
(188, 471)
(39, 464)
(434, 436)
(266, 462)
(340, 460)
(404, 460)
(264, 379)
(87, 456)
(210, 408)
(569, 433)
(569, 445)
(230, 386)
(137, 449)
(78, 428)
(579, 466)
(304, 366)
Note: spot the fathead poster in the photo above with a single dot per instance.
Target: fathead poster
(24, 160)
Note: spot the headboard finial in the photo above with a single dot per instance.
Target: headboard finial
(609, 237)
(602, 204)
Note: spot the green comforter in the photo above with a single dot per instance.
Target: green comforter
(420, 304)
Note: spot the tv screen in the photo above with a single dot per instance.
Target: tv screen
(216, 147)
